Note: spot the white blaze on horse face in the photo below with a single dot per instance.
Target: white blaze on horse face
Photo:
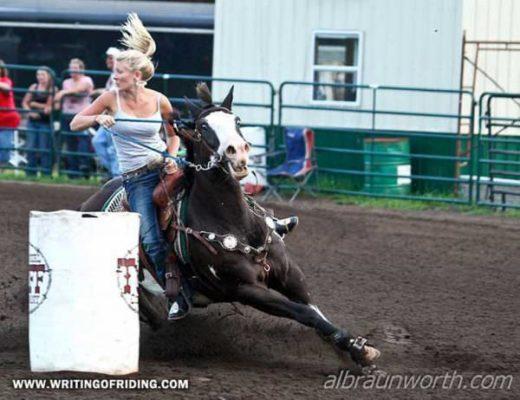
(225, 127)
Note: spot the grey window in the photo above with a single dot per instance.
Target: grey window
(336, 61)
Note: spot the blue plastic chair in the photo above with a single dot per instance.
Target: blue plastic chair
(299, 165)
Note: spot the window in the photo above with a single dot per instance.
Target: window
(336, 60)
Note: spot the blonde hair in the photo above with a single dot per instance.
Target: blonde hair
(140, 47)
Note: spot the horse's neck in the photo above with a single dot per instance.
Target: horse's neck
(220, 196)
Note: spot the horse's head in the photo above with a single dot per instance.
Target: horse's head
(217, 134)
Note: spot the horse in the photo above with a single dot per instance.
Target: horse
(234, 253)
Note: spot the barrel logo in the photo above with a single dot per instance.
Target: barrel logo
(128, 279)
(40, 278)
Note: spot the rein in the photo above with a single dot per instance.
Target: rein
(214, 161)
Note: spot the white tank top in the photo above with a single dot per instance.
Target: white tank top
(131, 155)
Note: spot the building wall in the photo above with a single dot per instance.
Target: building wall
(405, 42)
(494, 20)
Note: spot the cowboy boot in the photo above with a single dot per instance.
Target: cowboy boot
(181, 306)
(280, 226)
(285, 225)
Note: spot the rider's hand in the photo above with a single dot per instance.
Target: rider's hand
(170, 166)
(106, 121)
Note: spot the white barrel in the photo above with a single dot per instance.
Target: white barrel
(83, 299)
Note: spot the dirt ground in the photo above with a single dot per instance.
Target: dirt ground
(436, 292)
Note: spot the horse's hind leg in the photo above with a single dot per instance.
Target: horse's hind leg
(274, 303)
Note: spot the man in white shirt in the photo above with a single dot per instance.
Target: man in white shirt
(102, 140)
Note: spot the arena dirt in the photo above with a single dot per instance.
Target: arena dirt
(436, 292)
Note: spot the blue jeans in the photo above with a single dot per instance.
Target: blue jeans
(105, 150)
(139, 191)
(39, 140)
(6, 144)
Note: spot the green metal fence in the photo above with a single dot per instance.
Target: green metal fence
(351, 158)
(396, 151)
(498, 152)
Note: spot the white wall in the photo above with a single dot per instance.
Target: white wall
(494, 20)
(406, 42)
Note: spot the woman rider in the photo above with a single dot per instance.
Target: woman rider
(142, 110)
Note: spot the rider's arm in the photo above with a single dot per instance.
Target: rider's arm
(173, 140)
(93, 114)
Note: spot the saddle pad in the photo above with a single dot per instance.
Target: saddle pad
(115, 202)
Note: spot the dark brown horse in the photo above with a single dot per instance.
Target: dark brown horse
(249, 262)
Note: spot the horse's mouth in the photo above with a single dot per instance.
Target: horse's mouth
(238, 171)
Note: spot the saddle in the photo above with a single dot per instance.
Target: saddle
(164, 194)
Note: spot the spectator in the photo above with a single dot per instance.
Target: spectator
(39, 131)
(74, 97)
(102, 140)
(9, 117)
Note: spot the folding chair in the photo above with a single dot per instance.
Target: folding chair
(299, 165)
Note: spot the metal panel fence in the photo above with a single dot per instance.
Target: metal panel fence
(384, 150)
(498, 153)
(387, 159)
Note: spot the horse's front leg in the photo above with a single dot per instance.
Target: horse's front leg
(274, 303)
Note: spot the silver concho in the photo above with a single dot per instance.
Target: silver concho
(230, 242)
(211, 236)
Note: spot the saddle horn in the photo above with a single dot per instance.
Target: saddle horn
(228, 101)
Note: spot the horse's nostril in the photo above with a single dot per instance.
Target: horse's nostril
(230, 150)
(246, 147)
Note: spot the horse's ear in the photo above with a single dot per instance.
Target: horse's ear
(193, 108)
(228, 101)
(203, 93)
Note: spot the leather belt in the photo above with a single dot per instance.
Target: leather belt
(152, 166)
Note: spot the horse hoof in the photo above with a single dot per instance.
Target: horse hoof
(369, 356)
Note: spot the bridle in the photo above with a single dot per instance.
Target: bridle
(183, 129)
